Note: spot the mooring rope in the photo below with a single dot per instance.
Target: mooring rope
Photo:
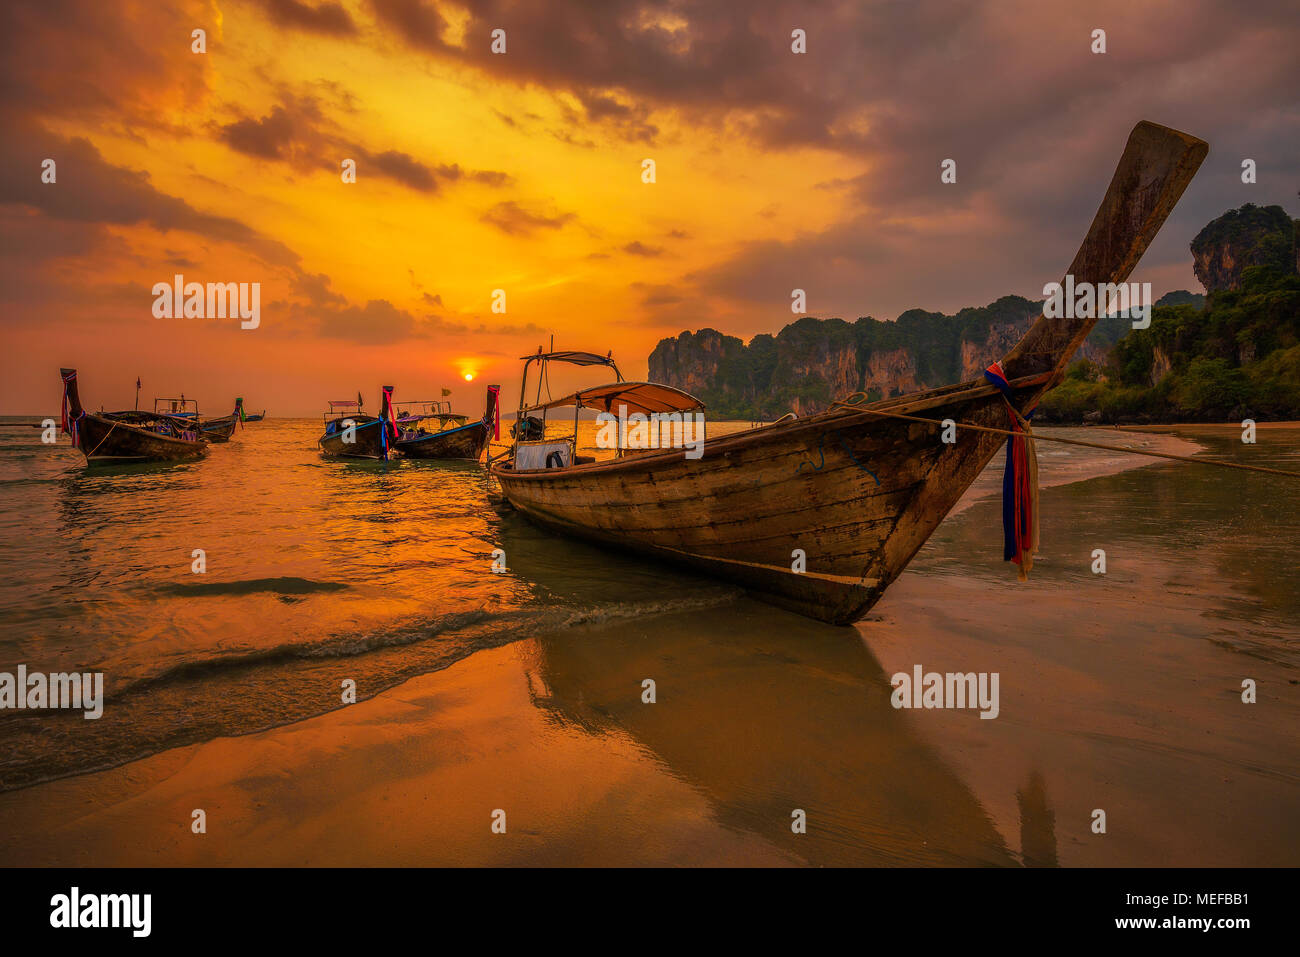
(101, 441)
(1035, 437)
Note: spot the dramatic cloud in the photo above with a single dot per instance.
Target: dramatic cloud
(328, 18)
(1011, 91)
(639, 248)
(511, 218)
(91, 190)
(296, 131)
(378, 322)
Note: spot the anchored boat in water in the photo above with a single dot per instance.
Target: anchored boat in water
(222, 428)
(351, 433)
(127, 436)
(219, 429)
(855, 490)
(430, 430)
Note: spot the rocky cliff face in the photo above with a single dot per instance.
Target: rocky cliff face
(890, 371)
(812, 362)
(1249, 236)
(693, 358)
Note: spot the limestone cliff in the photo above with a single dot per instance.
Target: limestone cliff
(1249, 236)
(812, 361)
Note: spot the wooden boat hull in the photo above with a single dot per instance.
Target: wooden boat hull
(464, 442)
(851, 493)
(858, 495)
(220, 430)
(102, 440)
(369, 444)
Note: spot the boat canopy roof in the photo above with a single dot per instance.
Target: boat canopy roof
(644, 397)
(443, 417)
(574, 358)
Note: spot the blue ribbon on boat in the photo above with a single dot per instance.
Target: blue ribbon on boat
(998, 378)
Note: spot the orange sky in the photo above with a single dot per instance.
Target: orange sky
(523, 172)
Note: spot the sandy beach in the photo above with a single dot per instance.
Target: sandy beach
(1119, 692)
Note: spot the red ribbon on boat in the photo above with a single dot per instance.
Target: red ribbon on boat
(496, 411)
(386, 413)
(1019, 484)
(68, 428)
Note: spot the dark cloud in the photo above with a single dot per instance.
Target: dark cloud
(328, 18)
(402, 168)
(94, 60)
(418, 23)
(378, 322)
(266, 138)
(316, 289)
(631, 120)
(639, 248)
(511, 218)
(297, 132)
(659, 295)
(91, 190)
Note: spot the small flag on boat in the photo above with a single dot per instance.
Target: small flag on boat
(1019, 484)
(446, 392)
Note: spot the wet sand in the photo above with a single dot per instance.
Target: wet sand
(1119, 692)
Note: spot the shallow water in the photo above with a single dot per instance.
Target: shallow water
(318, 572)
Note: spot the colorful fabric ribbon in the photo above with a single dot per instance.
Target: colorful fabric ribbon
(1019, 483)
(69, 428)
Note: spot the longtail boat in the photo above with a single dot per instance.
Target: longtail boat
(132, 436)
(351, 433)
(255, 417)
(222, 428)
(855, 490)
(454, 436)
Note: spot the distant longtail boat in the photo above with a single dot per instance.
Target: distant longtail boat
(455, 437)
(821, 514)
(351, 433)
(222, 428)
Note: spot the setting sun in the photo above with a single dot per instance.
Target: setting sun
(469, 377)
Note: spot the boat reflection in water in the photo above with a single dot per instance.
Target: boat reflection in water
(762, 717)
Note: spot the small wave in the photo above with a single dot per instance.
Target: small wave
(245, 693)
(490, 628)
